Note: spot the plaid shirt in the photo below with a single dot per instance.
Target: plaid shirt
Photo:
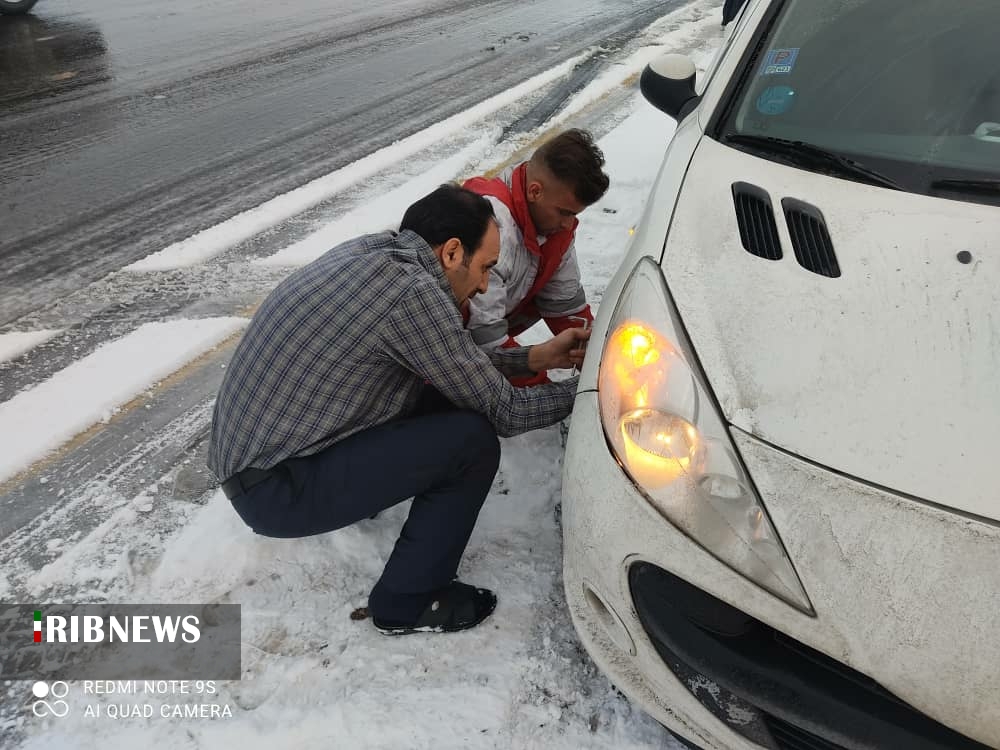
(347, 343)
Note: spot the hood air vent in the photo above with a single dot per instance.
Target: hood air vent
(810, 238)
(755, 216)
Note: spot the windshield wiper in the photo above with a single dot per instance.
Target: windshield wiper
(807, 155)
(968, 186)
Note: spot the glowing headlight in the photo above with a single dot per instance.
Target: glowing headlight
(669, 437)
(659, 447)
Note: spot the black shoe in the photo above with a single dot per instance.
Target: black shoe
(458, 606)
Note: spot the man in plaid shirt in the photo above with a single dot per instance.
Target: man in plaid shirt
(356, 387)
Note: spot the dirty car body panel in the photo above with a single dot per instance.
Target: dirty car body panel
(781, 513)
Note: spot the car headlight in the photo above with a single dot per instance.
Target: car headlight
(669, 437)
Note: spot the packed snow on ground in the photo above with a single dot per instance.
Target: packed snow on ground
(16, 343)
(100, 383)
(313, 676)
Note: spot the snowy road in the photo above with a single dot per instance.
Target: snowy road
(124, 511)
(126, 127)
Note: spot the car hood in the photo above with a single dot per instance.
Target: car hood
(889, 373)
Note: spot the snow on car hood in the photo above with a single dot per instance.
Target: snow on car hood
(890, 373)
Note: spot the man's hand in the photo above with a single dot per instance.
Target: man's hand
(562, 351)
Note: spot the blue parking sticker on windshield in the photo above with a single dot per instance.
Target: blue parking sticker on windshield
(779, 61)
(776, 100)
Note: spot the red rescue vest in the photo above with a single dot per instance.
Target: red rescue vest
(549, 254)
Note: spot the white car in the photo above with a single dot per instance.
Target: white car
(781, 509)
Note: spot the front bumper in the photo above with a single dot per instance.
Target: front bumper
(904, 593)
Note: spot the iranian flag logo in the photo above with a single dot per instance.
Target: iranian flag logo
(38, 626)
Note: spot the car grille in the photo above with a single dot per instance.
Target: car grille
(788, 696)
(789, 737)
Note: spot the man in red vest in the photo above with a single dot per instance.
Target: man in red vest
(537, 276)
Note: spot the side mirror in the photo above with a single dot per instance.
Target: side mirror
(668, 84)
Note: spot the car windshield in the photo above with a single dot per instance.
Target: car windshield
(906, 90)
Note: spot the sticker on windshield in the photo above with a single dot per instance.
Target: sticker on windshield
(775, 100)
(779, 61)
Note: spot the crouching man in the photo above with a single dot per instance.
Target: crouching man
(356, 387)
(538, 277)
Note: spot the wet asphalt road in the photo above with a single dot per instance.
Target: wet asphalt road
(129, 124)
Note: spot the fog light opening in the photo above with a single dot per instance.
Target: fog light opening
(612, 623)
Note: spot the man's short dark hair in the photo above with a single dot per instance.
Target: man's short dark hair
(574, 159)
(450, 211)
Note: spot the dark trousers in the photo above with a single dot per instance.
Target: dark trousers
(446, 461)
